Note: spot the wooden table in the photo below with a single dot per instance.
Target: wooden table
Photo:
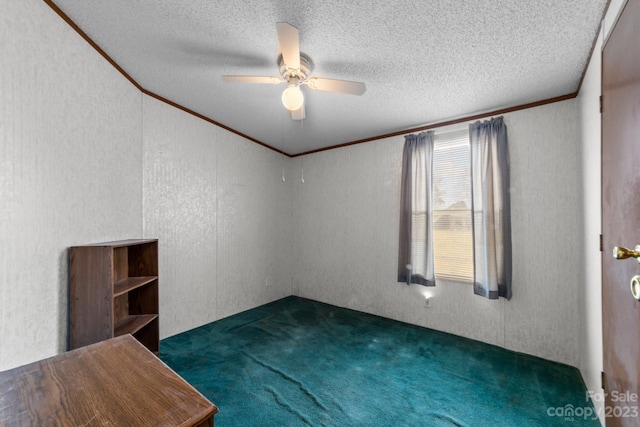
(117, 382)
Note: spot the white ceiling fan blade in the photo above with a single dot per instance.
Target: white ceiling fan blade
(254, 79)
(298, 114)
(335, 85)
(289, 44)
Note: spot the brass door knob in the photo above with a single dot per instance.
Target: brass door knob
(635, 287)
(623, 253)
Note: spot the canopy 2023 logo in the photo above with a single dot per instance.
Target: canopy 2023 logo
(626, 407)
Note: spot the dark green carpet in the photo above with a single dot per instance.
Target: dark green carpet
(297, 362)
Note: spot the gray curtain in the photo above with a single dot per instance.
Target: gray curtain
(415, 255)
(491, 208)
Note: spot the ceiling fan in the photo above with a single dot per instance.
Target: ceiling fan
(295, 68)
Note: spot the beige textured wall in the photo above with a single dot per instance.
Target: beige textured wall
(219, 206)
(70, 170)
(346, 239)
(82, 151)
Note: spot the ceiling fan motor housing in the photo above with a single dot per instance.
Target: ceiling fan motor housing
(306, 66)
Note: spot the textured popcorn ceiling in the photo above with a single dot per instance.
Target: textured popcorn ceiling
(422, 61)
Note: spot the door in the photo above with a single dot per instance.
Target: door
(621, 217)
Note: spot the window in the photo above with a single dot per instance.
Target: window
(439, 237)
(452, 229)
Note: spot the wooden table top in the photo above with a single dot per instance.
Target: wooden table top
(117, 382)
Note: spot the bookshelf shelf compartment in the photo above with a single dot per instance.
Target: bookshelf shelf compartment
(123, 286)
(132, 324)
(113, 290)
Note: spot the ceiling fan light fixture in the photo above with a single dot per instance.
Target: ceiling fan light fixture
(295, 67)
(292, 97)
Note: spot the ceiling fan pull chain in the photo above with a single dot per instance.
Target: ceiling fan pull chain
(301, 140)
(283, 179)
(282, 146)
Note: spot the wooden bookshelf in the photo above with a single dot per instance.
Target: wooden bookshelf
(113, 291)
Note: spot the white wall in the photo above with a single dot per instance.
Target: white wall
(346, 239)
(70, 170)
(219, 206)
(590, 314)
(85, 158)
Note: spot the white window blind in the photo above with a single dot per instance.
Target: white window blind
(452, 233)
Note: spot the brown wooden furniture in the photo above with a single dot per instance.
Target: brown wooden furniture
(117, 382)
(113, 291)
